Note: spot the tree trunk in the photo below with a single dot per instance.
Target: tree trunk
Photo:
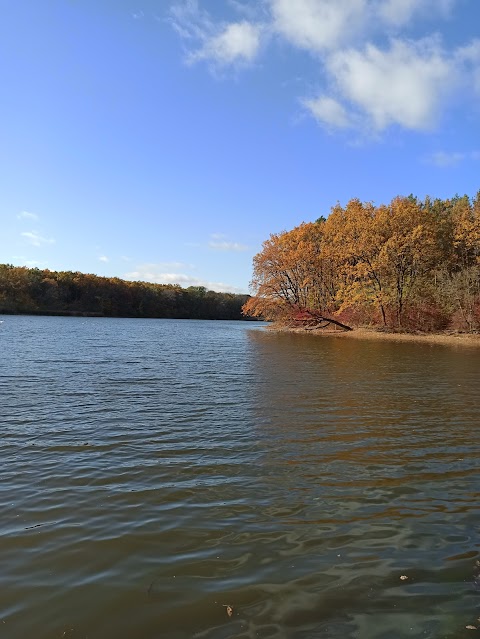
(307, 316)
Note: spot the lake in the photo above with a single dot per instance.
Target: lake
(154, 472)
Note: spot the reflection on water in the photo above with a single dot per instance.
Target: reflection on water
(153, 473)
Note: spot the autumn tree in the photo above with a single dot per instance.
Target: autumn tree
(24, 290)
(407, 264)
(382, 253)
(354, 240)
(409, 251)
(463, 281)
(292, 273)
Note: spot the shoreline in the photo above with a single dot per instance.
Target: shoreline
(446, 338)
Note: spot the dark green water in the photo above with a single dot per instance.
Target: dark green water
(153, 472)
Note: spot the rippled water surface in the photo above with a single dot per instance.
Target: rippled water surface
(154, 472)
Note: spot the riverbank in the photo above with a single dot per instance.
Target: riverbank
(446, 338)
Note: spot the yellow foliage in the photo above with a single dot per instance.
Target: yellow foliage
(365, 255)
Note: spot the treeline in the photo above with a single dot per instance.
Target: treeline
(31, 290)
(410, 264)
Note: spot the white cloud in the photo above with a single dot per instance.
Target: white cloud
(470, 52)
(469, 56)
(446, 159)
(369, 81)
(103, 258)
(322, 25)
(169, 266)
(35, 239)
(318, 25)
(223, 44)
(146, 273)
(189, 21)
(26, 215)
(251, 11)
(404, 84)
(328, 111)
(154, 273)
(400, 12)
(237, 42)
(223, 245)
(408, 83)
(315, 25)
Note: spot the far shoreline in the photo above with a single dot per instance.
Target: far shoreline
(445, 338)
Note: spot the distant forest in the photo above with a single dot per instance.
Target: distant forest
(408, 265)
(44, 292)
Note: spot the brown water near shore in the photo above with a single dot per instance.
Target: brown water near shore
(449, 339)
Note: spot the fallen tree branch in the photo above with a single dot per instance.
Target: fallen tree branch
(312, 320)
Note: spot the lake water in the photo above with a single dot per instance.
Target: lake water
(154, 472)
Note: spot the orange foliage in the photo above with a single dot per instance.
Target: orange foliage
(292, 272)
(410, 264)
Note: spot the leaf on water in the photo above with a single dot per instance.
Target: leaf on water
(229, 610)
(471, 627)
(403, 577)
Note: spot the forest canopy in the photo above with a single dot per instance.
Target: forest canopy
(409, 264)
(31, 290)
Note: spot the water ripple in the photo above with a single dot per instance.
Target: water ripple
(153, 473)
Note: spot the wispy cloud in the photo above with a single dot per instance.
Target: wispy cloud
(373, 75)
(328, 111)
(103, 258)
(223, 44)
(35, 239)
(373, 86)
(171, 266)
(227, 246)
(155, 273)
(318, 26)
(400, 12)
(321, 26)
(27, 215)
(237, 42)
(446, 159)
(220, 242)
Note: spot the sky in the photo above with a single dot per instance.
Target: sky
(165, 140)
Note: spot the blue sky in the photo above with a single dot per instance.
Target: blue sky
(164, 141)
